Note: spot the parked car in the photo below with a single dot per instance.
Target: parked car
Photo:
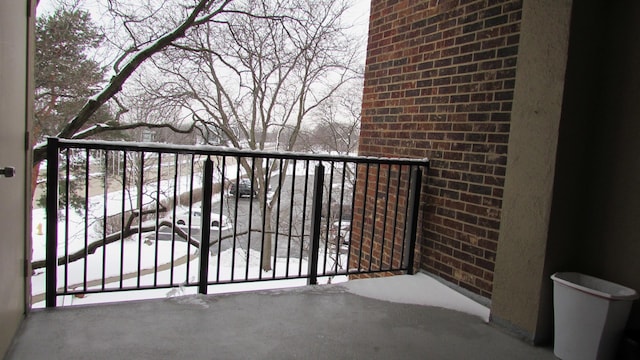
(182, 219)
(243, 188)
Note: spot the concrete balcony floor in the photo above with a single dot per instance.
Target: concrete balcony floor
(314, 322)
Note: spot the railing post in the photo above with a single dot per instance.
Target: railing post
(205, 226)
(52, 222)
(414, 207)
(316, 213)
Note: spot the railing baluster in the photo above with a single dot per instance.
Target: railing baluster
(407, 213)
(328, 220)
(395, 219)
(222, 184)
(66, 219)
(338, 235)
(375, 215)
(304, 215)
(414, 206)
(291, 205)
(353, 214)
(277, 227)
(86, 219)
(205, 225)
(364, 211)
(235, 217)
(176, 200)
(189, 219)
(105, 201)
(140, 202)
(264, 214)
(316, 211)
(122, 215)
(384, 220)
(52, 221)
(251, 196)
(158, 177)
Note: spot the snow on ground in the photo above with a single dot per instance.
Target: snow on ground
(136, 255)
(227, 262)
(419, 289)
(140, 256)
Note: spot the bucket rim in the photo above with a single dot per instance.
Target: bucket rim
(622, 293)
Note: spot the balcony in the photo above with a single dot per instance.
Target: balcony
(105, 243)
(361, 319)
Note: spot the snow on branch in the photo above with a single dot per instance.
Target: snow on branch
(117, 81)
(99, 128)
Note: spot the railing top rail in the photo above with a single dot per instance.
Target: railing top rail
(228, 151)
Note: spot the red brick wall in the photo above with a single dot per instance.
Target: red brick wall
(439, 83)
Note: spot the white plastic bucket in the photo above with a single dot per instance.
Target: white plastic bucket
(590, 316)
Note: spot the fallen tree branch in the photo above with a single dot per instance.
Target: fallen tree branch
(121, 235)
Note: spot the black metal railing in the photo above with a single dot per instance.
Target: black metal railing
(135, 216)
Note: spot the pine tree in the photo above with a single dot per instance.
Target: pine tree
(64, 74)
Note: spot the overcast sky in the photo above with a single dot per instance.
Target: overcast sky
(358, 13)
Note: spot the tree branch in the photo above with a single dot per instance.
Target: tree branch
(92, 247)
(115, 85)
(99, 128)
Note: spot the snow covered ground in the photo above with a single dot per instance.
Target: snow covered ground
(418, 289)
(152, 260)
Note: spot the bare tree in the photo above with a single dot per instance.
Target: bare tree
(258, 75)
(337, 123)
(149, 42)
(234, 73)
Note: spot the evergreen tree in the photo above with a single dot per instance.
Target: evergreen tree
(64, 74)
